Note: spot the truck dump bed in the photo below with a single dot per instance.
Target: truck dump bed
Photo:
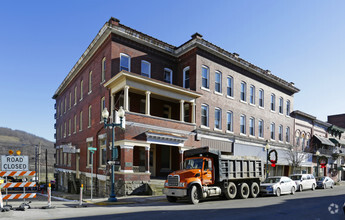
(230, 167)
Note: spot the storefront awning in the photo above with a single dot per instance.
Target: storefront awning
(325, 141)
(337, 141)
(164, 138)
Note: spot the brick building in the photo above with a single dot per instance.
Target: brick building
(175, 98)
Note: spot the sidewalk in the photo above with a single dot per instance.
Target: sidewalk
(104, 201)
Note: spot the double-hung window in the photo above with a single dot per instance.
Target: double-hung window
(229, 87)
(288, 107)
(252, 126)
(104, 66)
(261, 128)
(218, 118)
(205, 76)
(229, 120)
(281, 105)
(243, 91)
(204, 115)
(252, 95)
(218, 82)
(261, 98)
(186, 78)
(273, 131)
(287, 136)
(145, 68)
(243, 124)
(273, 102)
(125, 62)
(168, 74)
(280, 132)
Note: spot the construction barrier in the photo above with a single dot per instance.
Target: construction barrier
(19, 196)
(13, 185)
(17, 173)
(81, 195)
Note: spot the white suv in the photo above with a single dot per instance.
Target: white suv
(304, 181)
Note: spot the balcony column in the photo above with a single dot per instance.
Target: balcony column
(181, 151)
(181, 110)
(125, 101)
(147, 161)
(147, 103)
(193, 111)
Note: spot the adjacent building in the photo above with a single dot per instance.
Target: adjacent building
(175, 98)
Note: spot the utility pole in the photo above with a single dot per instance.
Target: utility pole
(39, 162)
(36, 152)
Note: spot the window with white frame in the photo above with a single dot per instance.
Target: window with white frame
(252, 95)
(145, 68)
(168, 75)
(218, 118)
(230, 86)
(89, 154)
(70, 100)
(81, 121)
(104, 67)
(252, 126)
(243, 91)
(273, 135)
(125, 62)
(81, 90)
(218, 82)
(273, 102)
(243, 124)
(205, 77)
(69, 127)
(261, 128)
(229, 120)
(288, 107)
(281, 105)
(204, 115)
(186, 112)
(64, 132)
(75, 124)
(186, 78)
(280, 132)
(287, 136)
(61, 109)
(90, 116)
(102, 107)
(90, 81)
(75, 95)
(65, 105)
(103, 152)
(261, 98)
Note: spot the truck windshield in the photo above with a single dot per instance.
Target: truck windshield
(192, 164)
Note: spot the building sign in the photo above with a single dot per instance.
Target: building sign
(14, 163)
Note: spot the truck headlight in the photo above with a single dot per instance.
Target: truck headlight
(166, 184)
(182, 184)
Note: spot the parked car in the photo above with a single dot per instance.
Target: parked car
(324, 182)
(277, 185)
(304, 181)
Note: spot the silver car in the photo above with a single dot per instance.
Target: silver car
(304, 181)
(324, 182)
(277, 185)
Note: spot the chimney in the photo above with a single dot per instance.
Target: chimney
(292, 83)
(196, 35)
(114, 21)
(268, 72)
(236, 55)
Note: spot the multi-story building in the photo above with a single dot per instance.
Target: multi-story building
(175, 98)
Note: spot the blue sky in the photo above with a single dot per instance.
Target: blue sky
(40, 41)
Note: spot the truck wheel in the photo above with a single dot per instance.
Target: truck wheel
(243, 191)
(230, 191)
(171, 199)
(194, 195)
(254, 190)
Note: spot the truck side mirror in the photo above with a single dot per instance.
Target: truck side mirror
(197, 175)
(210, 164)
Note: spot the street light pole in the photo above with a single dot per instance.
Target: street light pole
(317, 162)
(105, 115)
(267, 147)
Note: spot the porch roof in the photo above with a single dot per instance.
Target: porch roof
(337, 141)
(324, 141)
(165, 138)
(143, 83)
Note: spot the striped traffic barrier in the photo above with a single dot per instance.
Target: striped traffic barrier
(17, 173)
(19, 196)
(49, 194)
(13, 185)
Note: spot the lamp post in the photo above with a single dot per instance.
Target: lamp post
(267, 148)
(105, 116)
(317, 153)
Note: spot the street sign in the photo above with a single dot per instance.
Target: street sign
(92, 148)
(14, 163)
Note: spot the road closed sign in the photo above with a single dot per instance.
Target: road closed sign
(14, 163)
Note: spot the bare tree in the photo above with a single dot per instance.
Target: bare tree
(295, 158)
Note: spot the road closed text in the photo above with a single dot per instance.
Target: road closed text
(14, 163)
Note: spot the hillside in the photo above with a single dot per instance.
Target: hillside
(26, 142)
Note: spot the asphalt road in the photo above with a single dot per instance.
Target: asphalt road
(319, 204)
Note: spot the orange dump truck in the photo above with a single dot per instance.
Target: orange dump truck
(206, 172)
